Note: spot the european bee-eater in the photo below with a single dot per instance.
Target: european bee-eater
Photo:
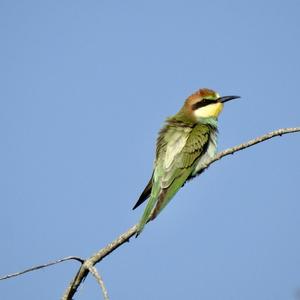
(184, 146)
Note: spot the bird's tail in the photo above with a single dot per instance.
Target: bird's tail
(146, 215)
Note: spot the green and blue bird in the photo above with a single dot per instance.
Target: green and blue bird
(184, 146)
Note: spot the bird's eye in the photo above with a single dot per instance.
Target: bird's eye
(203, 102)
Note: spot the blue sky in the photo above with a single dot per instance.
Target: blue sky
(85, 87)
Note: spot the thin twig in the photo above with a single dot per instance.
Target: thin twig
(99, 279)
(42, 266)
(94, 259)
(252, 142)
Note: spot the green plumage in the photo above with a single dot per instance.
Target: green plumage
(180, 145)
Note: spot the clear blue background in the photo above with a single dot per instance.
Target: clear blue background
(85, 87)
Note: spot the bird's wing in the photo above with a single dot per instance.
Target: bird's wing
(145, 194)
(171, 140)
(172, 170)
(177, 153)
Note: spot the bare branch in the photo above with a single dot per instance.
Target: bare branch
(94, 259)
(99, 279)
(51, 263)
(253, 142)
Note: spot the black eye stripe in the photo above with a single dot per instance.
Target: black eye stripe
(203, 103)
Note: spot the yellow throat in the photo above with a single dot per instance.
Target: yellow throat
(209, 111)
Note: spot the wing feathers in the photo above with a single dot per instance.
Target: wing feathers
(172, 178)
(178, 151)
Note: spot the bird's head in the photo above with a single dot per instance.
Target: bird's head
(204, 103)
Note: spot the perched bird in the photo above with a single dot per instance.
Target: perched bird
(184, 145)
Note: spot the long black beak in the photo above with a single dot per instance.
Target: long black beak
(227, 98)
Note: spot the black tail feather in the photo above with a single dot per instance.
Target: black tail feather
(145, 194)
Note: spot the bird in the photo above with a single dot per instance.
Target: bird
(185, 144)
